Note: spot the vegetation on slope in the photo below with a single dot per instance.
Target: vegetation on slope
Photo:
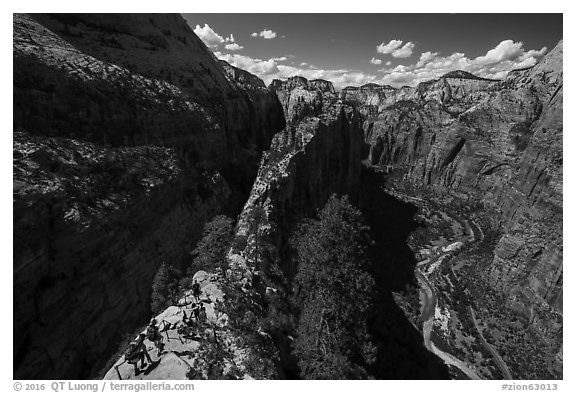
(335, 291)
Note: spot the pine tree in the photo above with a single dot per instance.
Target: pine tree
(335, 290)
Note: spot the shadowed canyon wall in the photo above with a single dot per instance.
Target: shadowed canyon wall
(129, 136)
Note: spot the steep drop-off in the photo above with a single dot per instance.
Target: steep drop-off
(497, 142)
(129, 135)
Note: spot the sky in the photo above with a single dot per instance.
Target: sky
(394, 49)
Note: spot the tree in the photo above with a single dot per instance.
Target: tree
(256, 216)
(210, 252)
(164, 287)
(335, 290)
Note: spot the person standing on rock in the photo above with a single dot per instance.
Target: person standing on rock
(202, 314)
(196, 290)
(189, 319)
(196, 312)
(153, 334)
(137, 352)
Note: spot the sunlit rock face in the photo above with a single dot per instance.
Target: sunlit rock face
(500, 141)
(318, 154)
(129, 135)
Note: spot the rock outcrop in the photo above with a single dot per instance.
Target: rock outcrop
(318, 154)
(129, 135)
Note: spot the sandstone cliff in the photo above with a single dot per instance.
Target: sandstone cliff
(497, 141)
(319, 153)
(129, 135)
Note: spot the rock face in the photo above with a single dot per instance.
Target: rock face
(497, 141)
(318, 154)
(129, 135)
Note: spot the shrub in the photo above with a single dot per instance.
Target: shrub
(165, 287)
(210, 252)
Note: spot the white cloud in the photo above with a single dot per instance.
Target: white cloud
(266, 34)
(395, 48)
(270, 69)
(230, 39)
(375, 61)
(389, 47)
(234, 46)
(208, 36)
(405, 51)
(505, 50)
(430, 65)
(495, 64)
(255, 66)
(426, 57)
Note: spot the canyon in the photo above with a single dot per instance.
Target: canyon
(129, 135)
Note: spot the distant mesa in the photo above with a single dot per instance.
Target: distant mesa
(369, 86)
(460, 74)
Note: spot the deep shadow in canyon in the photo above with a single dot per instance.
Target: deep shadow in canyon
(401, 350)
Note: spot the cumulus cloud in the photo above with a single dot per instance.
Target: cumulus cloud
(405, 51)
(395, 48)
(375, 61)
(426, 57)
(505, 50)
(214, 40)
(266, 34)
(431, 65)
(234, 46)
(389, 47)
(256, 66)
(495, 64)
(271, 69)
(208, 36)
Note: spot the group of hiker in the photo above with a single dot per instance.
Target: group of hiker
(137, 351)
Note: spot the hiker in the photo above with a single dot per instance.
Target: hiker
(196, 312)
(202, 314)
(137, 351)
(196, 290)
(193, 313)
(153, 334)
